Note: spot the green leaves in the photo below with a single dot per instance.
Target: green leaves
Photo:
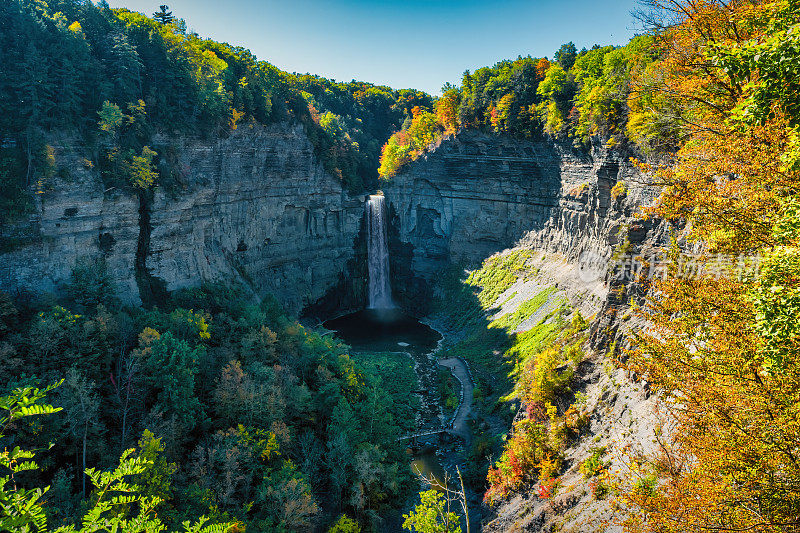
(119, 505)
(23, 402)
(768, 67)
(21, 509)
(111, 117)
(431, 515)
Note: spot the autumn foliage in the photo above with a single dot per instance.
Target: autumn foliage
(722, 349)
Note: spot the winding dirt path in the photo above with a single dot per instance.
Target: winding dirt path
(461, 372)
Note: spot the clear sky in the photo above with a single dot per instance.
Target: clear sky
(412, 43)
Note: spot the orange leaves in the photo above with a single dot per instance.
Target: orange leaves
(730, 187)
(405, 146)
(541, 68)
(737, 421)
(447, 111)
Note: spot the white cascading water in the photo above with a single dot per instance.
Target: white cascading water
(380, 291)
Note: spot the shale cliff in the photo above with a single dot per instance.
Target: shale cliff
(477, 194)
(254, 207)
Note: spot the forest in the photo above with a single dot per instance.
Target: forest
(65, 61)
(215, 413)
(576, 97)
(261, 423)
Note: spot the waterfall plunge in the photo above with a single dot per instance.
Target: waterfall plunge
(380, 291)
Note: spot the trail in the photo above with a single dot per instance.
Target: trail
(459, 369)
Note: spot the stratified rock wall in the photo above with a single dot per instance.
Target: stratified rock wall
(473, 196)
(255, 207)
(76, 217)
(478, 194)
(259, 208)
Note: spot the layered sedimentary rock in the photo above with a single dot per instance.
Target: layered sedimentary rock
(75, 217)
(255, 207)
(478, 194)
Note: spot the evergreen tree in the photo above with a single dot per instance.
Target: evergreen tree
(164, 16)
(566, 55)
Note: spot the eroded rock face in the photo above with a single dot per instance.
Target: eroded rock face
(477, 194)
(255, 207)
(473, 196)
(75, 218)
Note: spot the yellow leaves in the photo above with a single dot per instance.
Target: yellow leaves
(140, 170)
(554, 118)
(393, 156)
(76, 28)
(737, 426)
(236, 116)
(447, 112)
(148, 336)
(213, 61)
(405, 146)
(730, 187)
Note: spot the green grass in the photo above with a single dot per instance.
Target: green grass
(497, 274)
(529, 343)
(491, 347)
(511, 321)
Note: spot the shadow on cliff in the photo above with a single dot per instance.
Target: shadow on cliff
(475, 195)
(349, 294)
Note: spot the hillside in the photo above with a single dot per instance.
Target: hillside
(604, 244)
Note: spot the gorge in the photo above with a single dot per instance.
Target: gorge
(564, 290)
(243, 214)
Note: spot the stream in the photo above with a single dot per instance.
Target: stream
(391, 330)
(383, 328)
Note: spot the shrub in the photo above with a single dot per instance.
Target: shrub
(619, 190)
(594, 464)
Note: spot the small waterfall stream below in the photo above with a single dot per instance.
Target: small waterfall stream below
(382, 327)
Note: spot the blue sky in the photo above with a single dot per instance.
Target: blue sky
(412, 43)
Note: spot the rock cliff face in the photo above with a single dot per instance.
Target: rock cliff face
(259, 208)
(256, 207)
(476, 195)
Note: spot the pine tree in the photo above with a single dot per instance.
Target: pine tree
(164, 16)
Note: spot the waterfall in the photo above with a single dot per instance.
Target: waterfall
(380, 291)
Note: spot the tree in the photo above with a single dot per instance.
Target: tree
(22, 508)
(90, 284)
(156, 480)
(140, 170)
(541, 67)
(124, 66)
(556, 91)
(111, 117)
(345, 525)
(566, 55)
(170, 366)
(81, 406)
(164, 15)
(721, 347)
(432, 515)
(447, 111)
(115, 497)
